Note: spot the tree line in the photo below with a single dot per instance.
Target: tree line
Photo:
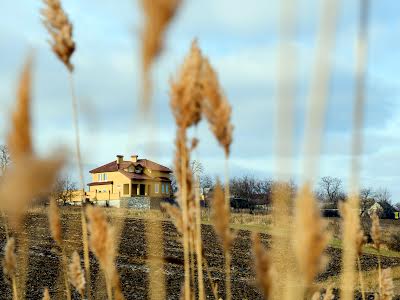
(256, 191)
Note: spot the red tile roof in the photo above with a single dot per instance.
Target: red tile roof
(163, 178)
(113, 166)
(135, 176)
(100, 183)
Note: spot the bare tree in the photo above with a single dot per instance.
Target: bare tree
(206, 181)
(197, 168)
(5, 158)
(331, 190)
(383, 195)
(64, 189)
(174, 184)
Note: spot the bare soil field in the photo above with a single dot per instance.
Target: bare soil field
(45, 270)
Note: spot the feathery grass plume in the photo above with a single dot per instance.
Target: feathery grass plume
(55, 222)
(216, 107)
(158, 14)
(220, 217)
(187, 89)
(19, 139)
(103, 244)
(262, 263)
(309, 236)
(386, 291)
(60, 28)
(38, 176)
(376, 231)
(46, 294)
(76, 275)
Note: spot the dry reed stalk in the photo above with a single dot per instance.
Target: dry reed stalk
(56, 232)
(216, 107)
(214, 286)
(360, 240)
(329, 294)
(46, 294)
(176, 215)
(182, 165)
(351, 220)
(376, 237)
(282, 256)
(220, 219)
(309, 236)
(186, 96)
(198, 241)
(359, 98)
(360, 277)
(55, 222)
(19, 140)
(158, 14)
(280, 250)
(319, 84)
(155, 248)
(262, 263)
(353, 239)
(386, 290)
(86, 253)
(316, 296)
(376, 231)
(75, 274)
(286, 88)
(60, 28)
(10, 265)
(103, 244)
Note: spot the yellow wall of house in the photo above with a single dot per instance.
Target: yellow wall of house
(118, 186)
(122, 186)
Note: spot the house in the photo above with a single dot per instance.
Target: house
(139, 183)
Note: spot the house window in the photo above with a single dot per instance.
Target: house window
(162, 188)
(156, 188)
(126, 189)
(98, 177)
(105, 176)
(166, 188)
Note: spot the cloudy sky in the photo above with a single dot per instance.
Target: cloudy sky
(241, 41)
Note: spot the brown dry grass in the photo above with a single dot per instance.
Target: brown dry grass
(195, 94)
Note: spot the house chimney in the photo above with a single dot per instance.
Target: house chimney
(134, 158)
(120, 159)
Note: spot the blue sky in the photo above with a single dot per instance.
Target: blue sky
(241, 41)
